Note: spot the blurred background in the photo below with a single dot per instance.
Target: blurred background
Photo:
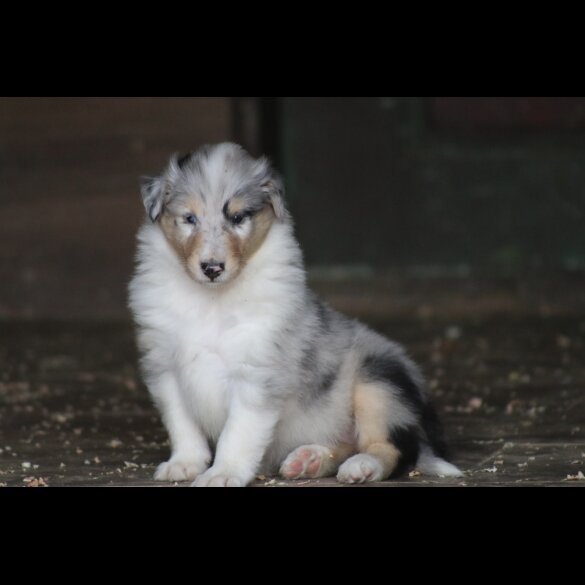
(454, 225)
(473, 191)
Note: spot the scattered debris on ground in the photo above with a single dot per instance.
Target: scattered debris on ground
(509, 390)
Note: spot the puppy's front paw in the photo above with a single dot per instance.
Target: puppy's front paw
(360, 469)
(180, 469)
(219, 478)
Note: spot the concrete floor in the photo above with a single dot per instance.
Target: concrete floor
(510, 388)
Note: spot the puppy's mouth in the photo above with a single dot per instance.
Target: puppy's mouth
(211, 282)
(215, 282)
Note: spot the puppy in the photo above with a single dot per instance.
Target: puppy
(250, 371)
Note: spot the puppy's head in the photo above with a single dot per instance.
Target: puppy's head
(215, 207)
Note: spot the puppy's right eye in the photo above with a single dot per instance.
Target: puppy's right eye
(190, 218)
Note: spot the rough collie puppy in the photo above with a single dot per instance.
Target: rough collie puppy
(251, 372)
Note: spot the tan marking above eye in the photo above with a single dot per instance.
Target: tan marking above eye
(182, 205)
(261, 223)
(234, 205)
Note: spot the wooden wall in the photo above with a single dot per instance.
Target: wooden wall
(69, 191)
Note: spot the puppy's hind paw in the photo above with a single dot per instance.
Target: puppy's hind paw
(360, 469)
(179, 470)
(308, 461)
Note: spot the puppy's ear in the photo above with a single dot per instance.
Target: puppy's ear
(273, 186)
(153, 190)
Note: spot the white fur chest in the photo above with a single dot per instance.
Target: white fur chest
(216, 342)
(216, 347)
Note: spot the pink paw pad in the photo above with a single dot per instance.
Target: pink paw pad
(303, 462)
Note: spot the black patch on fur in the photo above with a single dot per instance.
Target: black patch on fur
(183, 160)
(407, 441)
(382, 368)
(388, 369)
(320, 383)
(326, 382)
(320, 378)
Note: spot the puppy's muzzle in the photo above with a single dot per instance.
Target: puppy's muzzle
(212, 269)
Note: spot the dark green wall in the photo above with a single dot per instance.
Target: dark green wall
(370, 182)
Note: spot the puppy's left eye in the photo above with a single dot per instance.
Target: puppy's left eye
(190, 218)
(238, 218)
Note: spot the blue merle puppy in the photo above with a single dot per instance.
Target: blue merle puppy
(251, 372)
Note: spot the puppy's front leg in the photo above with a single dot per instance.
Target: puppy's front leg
(190, 452)
(242, 444)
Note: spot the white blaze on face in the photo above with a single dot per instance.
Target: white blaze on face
(213, 242)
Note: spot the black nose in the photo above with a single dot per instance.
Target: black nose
(212, 269)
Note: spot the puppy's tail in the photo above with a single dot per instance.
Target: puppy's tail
(432, 464)
(433, 454)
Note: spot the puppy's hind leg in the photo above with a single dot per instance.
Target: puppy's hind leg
(311, 461)
(381, 450)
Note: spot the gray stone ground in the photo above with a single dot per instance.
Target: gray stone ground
(510, 388)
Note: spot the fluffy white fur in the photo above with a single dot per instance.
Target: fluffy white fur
(214, 350)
